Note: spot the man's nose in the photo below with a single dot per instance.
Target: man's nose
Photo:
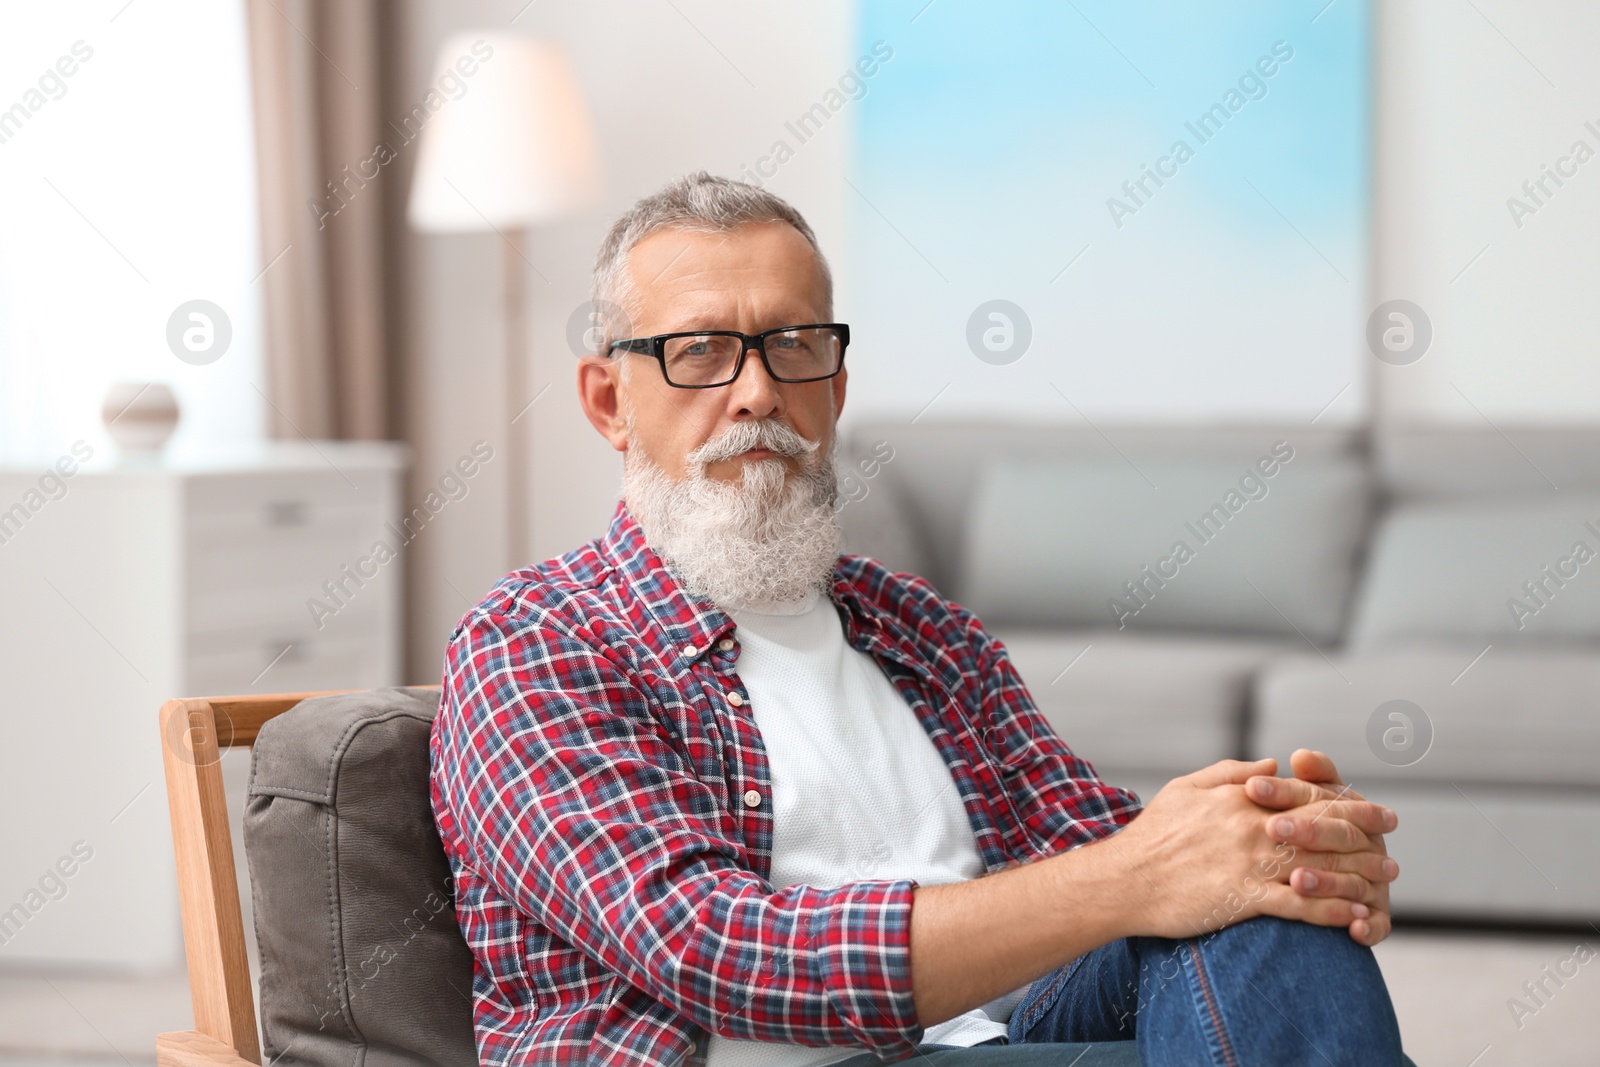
(754, 391)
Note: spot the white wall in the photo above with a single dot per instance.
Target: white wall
(664, 102)
(1472, 100)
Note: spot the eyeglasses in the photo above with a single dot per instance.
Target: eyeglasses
(705, 359)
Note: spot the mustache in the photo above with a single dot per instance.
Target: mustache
(771, 434)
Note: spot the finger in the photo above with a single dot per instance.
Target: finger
(1232, 772)
(1285, 903)
(1327, 833)
(1371, 930)
(1371, 818)
(1282, 793)
(1309, 882)
(1375, 867)
(1314, 766)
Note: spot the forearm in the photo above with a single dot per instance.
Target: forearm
(973, 941)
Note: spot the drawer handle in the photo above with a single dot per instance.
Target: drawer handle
(287, 512)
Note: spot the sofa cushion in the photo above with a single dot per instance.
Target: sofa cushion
(1172, 543)
(874, 515)
(936, 461)
(362, 960)
(1513, 570)
(1510, 717)
(1135, 702)
(1478, 460)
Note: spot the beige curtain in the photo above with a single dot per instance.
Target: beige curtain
(327, 212)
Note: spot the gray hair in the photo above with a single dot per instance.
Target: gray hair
(700, 202)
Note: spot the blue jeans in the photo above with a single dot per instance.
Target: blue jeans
(1267, 991)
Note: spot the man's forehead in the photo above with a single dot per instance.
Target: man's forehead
(676, 240)
(699, 274)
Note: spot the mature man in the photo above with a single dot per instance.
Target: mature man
(713, 793)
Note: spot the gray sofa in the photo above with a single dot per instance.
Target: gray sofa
(1178, 595)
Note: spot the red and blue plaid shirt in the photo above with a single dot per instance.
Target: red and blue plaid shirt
(605, 804)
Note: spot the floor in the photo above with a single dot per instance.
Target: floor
(1455, 992)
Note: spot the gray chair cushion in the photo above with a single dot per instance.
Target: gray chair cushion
(362, 960)
(1140, 702)
(1511, 718)
(1056, 541)
(1455, 571)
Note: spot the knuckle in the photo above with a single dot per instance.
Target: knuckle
(1330, 885)
(1341, 886)
(1334, 912)
(1351, 838)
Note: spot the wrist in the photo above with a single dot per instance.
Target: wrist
(1098, 889)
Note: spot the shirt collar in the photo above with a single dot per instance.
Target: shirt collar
(687, 625)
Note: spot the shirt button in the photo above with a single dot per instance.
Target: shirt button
(690, 650)
(736, 700)
(726, 644)
(752, 798)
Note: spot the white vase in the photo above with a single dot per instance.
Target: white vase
(139, 416)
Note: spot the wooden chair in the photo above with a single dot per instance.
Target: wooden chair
(194, 732)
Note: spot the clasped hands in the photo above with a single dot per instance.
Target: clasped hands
(1339, 835)
(1232, 840)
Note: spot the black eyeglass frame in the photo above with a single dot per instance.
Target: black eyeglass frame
(655, 346)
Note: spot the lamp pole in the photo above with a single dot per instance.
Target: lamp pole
(522, 152)
(517, 402)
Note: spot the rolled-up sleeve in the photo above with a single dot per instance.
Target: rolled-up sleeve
(579, 804)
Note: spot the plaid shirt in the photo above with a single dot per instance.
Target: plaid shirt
(605, 803)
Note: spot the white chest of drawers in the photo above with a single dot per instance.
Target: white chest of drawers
(270, 568)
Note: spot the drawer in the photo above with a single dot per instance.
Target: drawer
(280, 583)
(273, 575)
(283, 522)
(262, 660)
(284, 498)
(214, 620)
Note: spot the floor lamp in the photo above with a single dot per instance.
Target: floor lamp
(507, 145)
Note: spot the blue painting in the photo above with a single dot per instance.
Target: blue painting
(1145, 211)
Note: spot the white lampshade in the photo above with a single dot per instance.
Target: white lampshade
(510, 146)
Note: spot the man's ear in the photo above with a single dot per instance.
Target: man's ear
(600, 394)
(838, 391)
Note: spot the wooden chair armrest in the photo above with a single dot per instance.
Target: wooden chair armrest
(191, 1048)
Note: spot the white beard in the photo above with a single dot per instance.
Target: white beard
(768, 537)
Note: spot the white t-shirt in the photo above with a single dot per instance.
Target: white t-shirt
(859, 791)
